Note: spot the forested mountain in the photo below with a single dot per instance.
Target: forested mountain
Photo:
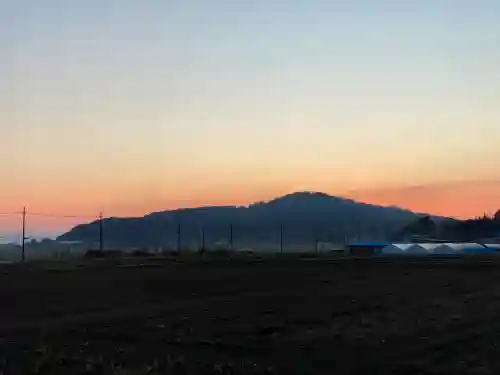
(305, 216)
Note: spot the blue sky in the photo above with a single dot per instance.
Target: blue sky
(104, 100)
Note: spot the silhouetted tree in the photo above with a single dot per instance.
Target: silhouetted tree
(472, 229)
(497, 216)
(423, 226)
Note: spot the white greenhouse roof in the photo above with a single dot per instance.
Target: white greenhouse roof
(416, 249)
(422, 248)
(459, 246)
(436, 248)
(397, 248)
(495, 246)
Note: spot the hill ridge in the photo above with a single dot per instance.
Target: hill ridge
(304, 215)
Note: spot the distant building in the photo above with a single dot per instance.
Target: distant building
(361, 249)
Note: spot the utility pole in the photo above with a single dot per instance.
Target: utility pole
(101, 233)
(23, 240)
(231, 237)
(202, 239)
(281, 237)
(315, 238)
(178, 236)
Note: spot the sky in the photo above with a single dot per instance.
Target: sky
(132, 106)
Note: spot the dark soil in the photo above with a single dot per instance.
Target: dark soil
(274, 316)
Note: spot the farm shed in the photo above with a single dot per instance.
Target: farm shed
(361, 249)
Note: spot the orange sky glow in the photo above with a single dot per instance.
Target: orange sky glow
(456, 199)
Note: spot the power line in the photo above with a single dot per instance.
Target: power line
(178, 236)
(44, 214)
(61, 216)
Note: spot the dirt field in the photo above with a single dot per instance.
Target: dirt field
(252, 317)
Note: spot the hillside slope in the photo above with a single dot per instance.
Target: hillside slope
(305, 216)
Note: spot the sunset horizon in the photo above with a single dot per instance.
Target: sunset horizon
(158, 164)
(434, 199)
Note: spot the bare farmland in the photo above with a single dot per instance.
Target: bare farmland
(242, 316)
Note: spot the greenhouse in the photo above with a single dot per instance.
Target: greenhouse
(396, 249)
(421, 248)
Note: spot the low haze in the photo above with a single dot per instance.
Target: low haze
(137, 106)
